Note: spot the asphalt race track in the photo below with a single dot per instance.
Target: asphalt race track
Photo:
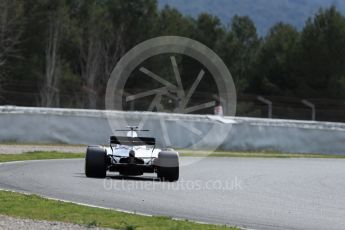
(248, 192)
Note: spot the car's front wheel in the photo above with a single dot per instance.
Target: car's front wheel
(95, 162)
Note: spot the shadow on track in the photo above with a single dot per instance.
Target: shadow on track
(121, 177)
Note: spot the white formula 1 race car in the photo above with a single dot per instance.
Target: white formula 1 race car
(132, 156)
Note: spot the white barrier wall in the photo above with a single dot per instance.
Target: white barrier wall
(74, 126)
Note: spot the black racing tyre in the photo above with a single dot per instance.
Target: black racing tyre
(95, 162)
(168, 165)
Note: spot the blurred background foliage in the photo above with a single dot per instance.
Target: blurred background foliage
(60, 54)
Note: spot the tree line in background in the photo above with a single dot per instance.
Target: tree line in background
(60, 53)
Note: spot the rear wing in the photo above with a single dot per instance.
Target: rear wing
(132, 141)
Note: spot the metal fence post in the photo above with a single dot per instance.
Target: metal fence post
(312, 106)
(268, 103)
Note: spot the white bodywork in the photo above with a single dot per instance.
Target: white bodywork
(144, 152)
(140, 151)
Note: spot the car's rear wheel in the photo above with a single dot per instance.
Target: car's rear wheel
(168, 165)
(95, 162)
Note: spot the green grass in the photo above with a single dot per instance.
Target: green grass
(35, 207)
(197, 153)
(14, 142)
(185, 153)
(39, 156)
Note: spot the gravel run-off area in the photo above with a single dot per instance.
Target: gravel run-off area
(10, 223)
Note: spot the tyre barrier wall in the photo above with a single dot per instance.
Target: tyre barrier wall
(78, 126)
